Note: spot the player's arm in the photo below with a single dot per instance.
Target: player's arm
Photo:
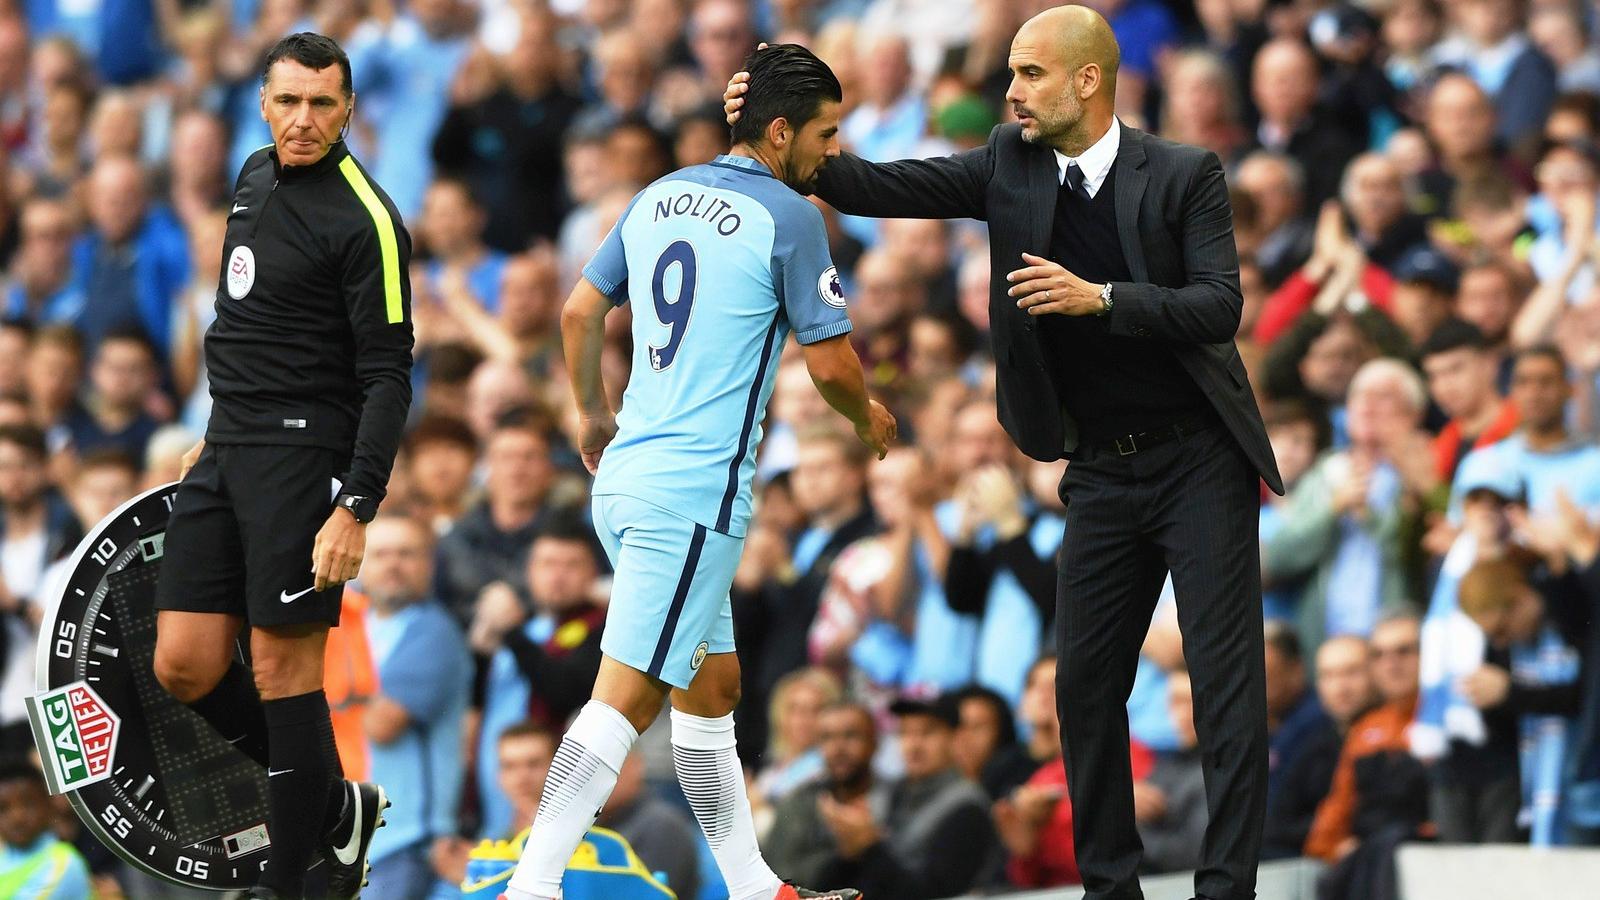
(836, 371)
(813, 300)
(583, 338)
(604, 284)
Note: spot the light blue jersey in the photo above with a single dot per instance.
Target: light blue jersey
(721, 262)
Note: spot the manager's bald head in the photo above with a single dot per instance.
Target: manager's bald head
(1064, 77)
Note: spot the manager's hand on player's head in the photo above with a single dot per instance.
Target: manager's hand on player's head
(336, 554)
(733, 97)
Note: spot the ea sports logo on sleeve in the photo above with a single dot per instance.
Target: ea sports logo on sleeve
(829, 288)
(241, 273)
(80, 731)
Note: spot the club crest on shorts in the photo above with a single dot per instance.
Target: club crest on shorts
(699, 655)
(829, 288)
(241, 272)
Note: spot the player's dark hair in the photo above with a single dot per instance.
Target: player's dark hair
(314, 51)
(20, 768)
(26, 436)
(787, 81)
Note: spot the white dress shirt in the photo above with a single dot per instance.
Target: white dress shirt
(1095, 161)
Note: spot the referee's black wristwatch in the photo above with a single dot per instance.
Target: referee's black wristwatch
(363, 508)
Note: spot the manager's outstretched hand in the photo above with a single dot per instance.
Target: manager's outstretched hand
(733, 97)
(1044, 287)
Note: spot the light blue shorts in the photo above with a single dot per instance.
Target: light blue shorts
(669, 594)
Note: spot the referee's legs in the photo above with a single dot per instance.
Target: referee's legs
(304, 778)
(194, 662)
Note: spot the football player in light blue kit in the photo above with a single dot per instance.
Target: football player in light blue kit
(721, 263)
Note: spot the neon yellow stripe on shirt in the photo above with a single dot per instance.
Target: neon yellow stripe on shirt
(387, 244)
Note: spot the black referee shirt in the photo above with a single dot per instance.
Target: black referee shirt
(312, 341)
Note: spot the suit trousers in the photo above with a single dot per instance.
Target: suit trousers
(1191, 507)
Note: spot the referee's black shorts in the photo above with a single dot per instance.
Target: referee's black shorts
(240, 533)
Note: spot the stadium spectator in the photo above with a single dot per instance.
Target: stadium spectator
(661, 834)
(1346, 519)
(794, 754)
(37, 524)
(1284, 87)
(114, 415)
(1170, 804)
(1492, 48)
(1423, 294)
(452, 230)
(777, 589)
(935, 835)
(543, 651)
(1292, 708)
(507, 143)
(132, 264)
(1461, 370)
(40, 277)
(522, 761)
(414, 723)
(986, 747)
(488, 542)
(33, 861)
(1379, 796)
(441, 453)
(404, 60)
(1304, 776)
(1276, 183)
(801, 845)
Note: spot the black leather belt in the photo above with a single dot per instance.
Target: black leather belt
(1129, 444)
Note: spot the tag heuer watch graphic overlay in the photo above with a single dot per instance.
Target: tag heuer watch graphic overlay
(154, 782)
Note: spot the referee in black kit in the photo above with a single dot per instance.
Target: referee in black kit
(310, 366)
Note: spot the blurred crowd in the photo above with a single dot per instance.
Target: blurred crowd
(1414, 187)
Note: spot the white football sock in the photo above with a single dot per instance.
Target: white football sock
(581, 777)
(709, 772)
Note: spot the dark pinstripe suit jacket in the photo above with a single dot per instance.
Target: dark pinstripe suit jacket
(1176, 229)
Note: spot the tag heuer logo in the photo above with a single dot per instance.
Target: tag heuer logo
(82, 734)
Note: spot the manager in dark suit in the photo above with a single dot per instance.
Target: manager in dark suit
(1114, 304)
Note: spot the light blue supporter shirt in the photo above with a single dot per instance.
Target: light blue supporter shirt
(721, 262)
(424, 665)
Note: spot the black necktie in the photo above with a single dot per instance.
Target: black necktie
(1075, 181)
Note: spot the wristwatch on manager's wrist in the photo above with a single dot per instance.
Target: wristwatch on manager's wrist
(1105, 300)
(363, 508)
